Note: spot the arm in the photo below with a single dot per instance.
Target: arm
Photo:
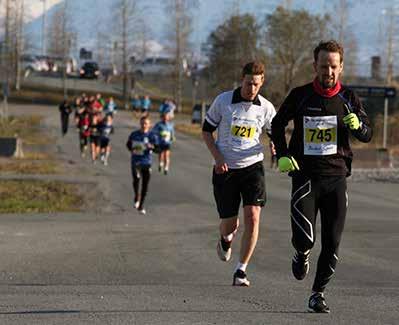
(364, 133)
(211, 123)
(286, 163)
(220, 165)
(279, 123)
(129, 144)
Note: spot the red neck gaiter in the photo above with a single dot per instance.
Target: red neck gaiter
(328, 92)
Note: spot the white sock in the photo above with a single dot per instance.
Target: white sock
(241, 266)
(315, 292)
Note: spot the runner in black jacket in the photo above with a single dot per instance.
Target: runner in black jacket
(319, 159)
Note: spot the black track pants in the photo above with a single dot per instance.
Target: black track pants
(142, 173)
(327, 195)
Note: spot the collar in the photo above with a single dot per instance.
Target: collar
(237, 98)
(329, 92)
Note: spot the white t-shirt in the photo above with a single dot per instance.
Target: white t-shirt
(239, 125)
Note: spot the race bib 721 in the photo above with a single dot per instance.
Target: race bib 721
(243, 131)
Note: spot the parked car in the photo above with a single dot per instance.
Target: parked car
(90, 70)
(33, 63)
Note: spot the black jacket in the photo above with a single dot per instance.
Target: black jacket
(302, 104)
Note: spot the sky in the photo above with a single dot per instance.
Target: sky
(365, 17)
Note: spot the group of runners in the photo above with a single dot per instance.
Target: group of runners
(93, 117)
(94, 120)
(318, 158)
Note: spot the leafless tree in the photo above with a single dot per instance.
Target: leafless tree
(291, 35)
(345, 37)
(60, 39)
(180, 32)
(126, 14)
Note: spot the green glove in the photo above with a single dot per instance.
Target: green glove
(352, 121)
(287, 164)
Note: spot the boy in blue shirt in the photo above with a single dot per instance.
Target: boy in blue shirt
(140, 143)
(165, 133)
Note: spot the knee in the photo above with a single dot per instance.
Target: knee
(251, 217)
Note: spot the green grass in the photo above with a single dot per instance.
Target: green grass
(25, 127)
(38, 197)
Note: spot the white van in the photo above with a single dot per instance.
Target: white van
(154, 65)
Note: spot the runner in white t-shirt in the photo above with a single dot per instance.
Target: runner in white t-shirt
(239, 116)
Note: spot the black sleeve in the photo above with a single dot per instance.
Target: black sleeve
(129, 145)
(365, 132)
(207, 127)
(279, 123)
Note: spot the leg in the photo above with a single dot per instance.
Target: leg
(303, 220)
(93, 149)
(167, 160)
(251, 230)
(253, 192)
(160, 161)
(303, 213)
(136, 183)
(227, 197)
(333, 207)
(146, 175)
(228, 226)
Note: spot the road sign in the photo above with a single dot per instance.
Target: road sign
(366, 91)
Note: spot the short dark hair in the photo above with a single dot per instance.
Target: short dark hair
(253, 68)
(145, 117)
(329, 46)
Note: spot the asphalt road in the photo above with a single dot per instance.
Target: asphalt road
(111, 265)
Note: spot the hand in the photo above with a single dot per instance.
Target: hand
(287, 164)
(221, 167)
(352, 121)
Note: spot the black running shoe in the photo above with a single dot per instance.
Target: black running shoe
(240, 279)
(300, 265)
(317, 304)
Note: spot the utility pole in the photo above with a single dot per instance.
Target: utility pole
(44, 28)
(6, 59)
(66, 46)
(19, 43)
(125, 18)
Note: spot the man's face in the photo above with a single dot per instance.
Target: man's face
(328, 68)
(145, 125)
(250, 86)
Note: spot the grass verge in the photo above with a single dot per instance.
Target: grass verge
(25, 127)
(189, 129)
(31, 196)
(22, 166)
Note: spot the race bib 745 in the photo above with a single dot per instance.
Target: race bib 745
(320, 135)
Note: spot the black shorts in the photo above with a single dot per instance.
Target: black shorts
(104, 142)
(95, 139)
(247, 183)
(164, 147)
